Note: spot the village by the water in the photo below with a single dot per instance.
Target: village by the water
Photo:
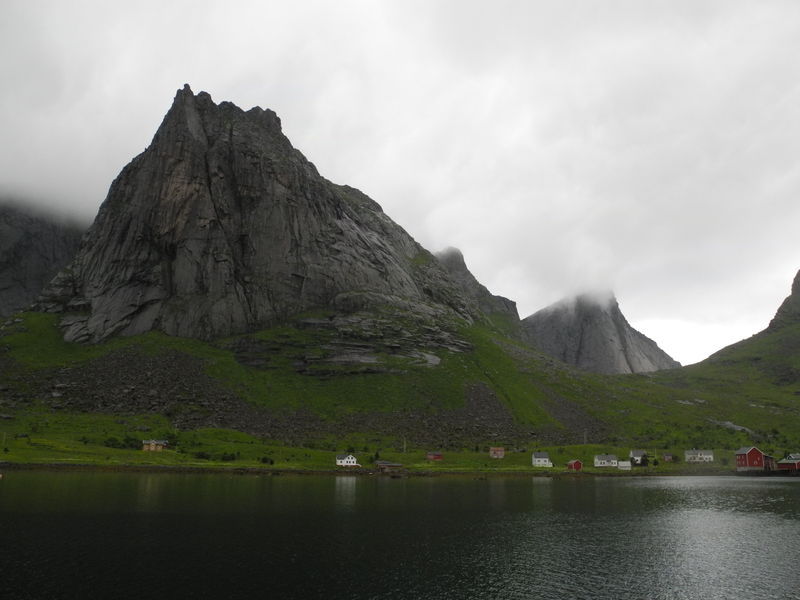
(749, 459)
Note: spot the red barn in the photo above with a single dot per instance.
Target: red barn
(574, 465)
(497, 452)
(750, 459)
(434, 456)
(790, 463)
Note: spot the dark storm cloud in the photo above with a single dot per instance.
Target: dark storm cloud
(646, 147)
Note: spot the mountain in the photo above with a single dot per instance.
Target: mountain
(591, 333)
(34, 246)
(789, 311)
(221, 227)
(487, 303)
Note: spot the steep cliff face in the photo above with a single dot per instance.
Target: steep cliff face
(591, 333)
(453, 261)
(33, 247)
(789, 311)
(220, 226)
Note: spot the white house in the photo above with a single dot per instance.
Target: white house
(541, 459)
(699, 456)
(605, 460)
(346, 460)
(624, 465)
(638, 457)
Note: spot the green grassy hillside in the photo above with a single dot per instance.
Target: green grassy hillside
(291, 395)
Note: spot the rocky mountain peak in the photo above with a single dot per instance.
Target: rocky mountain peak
(789, 311)
(590, 332)
(453, 261)
(220, 227)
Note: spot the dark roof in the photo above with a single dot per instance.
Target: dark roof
(745, 449)
(695, 451)
(541, 455)
(343, 456)
(162, 442)
(638, 453)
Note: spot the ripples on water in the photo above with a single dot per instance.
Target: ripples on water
(104, 535)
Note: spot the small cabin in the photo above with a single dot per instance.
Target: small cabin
(433, 456)
(751, 459)
(541, 459)
(346, 460)
(790, 463)
(698, 456)
(154, 445)
(638, 457)
(668, 457)
(605, 460)
(574, 465)
(497, 452)
(624, 465)
(387, 466)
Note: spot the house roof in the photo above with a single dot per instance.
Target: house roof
(698, 452)
(605, 457)
(638, 453)
(794, 457)
(745, 449)
(574, 460)
(343, 456)
(162, 442)
(541, 455)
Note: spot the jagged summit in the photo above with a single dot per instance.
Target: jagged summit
(590, 332)
(789, 311)
(220, 227)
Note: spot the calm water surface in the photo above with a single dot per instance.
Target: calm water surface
(126, 535)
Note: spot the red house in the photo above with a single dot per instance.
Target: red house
(497, 452)
(749, 459)
(574, 465)
(790, 463)
(434, 456)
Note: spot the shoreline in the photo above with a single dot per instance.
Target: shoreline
(399, 474)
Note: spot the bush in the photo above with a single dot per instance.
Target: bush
(202, 455)
(228, 456)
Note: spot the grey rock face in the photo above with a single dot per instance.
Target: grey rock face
(220, 227)
(789, 311)
(33, 247)
(592, 334)
(453, 261)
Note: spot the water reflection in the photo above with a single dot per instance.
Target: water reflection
(345, 491)
(357, 537)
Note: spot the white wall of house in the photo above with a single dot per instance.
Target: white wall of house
(346, 461)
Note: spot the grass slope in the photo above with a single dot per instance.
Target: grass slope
(746, 394)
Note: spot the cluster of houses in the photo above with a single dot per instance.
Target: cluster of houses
(748, 459)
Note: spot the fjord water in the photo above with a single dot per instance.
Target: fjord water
(125, 535)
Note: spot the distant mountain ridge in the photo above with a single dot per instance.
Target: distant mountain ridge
(591, 333)
(34, 246)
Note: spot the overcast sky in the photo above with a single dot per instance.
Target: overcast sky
(652, 148)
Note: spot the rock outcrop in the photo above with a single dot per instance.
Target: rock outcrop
(591, 333)
(33, 248)
(221, 227)
(789, 311)
(453, 261)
